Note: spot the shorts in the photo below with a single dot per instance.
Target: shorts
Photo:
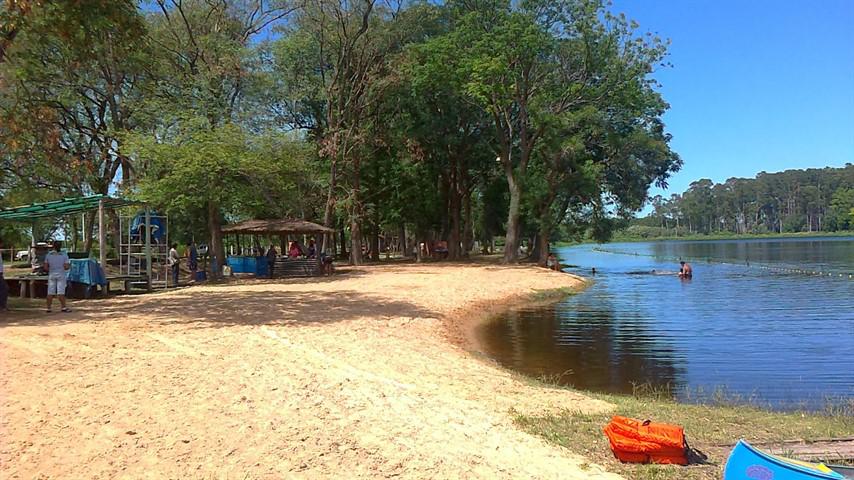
(56, 284)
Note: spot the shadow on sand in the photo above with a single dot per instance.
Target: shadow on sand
(223, 306)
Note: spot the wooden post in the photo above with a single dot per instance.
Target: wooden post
(148, 246)
(102, 236)
(319, 239)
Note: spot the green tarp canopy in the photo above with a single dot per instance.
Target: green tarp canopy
(66, 206)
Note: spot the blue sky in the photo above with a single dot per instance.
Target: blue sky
(756, 85)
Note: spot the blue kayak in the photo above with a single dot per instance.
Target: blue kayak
(748, 463)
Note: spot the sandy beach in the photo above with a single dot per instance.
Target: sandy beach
(353, 376)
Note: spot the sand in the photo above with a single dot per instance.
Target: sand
(352, 376)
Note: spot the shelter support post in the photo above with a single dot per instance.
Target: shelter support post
(319, 240)
(102, 236)
(148, 247)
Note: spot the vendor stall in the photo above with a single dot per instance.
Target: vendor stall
(84, 276)
(86, 273)
(249, 254)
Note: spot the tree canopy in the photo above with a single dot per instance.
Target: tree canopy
(395, 123)
(811, 200)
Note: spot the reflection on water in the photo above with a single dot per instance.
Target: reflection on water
(782, 338)
(598, 353)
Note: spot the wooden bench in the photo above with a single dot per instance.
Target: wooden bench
(128, 281)
(296, 267)
(27, 284)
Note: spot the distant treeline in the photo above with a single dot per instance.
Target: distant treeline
(812, 200)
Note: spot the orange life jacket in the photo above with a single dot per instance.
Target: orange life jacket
(637, 441)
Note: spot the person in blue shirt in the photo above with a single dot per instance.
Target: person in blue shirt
(192, 259)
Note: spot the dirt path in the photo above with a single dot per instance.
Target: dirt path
(344, 377)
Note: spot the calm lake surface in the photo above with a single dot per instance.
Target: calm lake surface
(748, 322)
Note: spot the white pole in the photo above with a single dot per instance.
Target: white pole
(102, 235)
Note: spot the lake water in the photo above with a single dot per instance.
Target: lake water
(755, 321)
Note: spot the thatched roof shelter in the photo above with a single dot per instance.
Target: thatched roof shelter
(277, 227)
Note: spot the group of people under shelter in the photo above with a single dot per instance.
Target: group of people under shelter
(295, 250)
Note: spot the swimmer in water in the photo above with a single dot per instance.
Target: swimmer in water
(685, 270)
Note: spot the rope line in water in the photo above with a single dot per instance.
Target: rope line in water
(746, 264)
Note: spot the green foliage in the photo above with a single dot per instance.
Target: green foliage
(247, 175)
(378, 118)
(812, 200)
(841, 212)
(67, 81)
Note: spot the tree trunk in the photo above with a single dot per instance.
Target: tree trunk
(115, 231)
(543, 244)
(330, 205)
(217, 248)
(88, 232)
(75, 233)
(455, 217)
(445, 195)
(356, 257)
(375, 244)
(404, 252)
(468, 221)
(534, 249)
(511, 240)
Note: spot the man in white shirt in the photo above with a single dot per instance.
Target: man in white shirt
(174, 262)
(4, 289)
(56, 264)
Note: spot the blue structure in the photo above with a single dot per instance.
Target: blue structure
(137, 228)
(86, 271)
(748, 463)
(255, 265)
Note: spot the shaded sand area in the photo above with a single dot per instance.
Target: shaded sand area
(341, 377)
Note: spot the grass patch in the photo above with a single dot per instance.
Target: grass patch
(553, 294)
(711, 428)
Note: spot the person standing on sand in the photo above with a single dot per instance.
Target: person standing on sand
(174, 262)
(271, 259)
(552, 263)
(56, 263)
(192, 259)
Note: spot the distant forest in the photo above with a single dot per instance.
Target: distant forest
(811, 200)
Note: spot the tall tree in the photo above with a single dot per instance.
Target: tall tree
(204, 65)
(69, 82)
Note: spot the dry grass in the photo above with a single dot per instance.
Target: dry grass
(711, 428)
